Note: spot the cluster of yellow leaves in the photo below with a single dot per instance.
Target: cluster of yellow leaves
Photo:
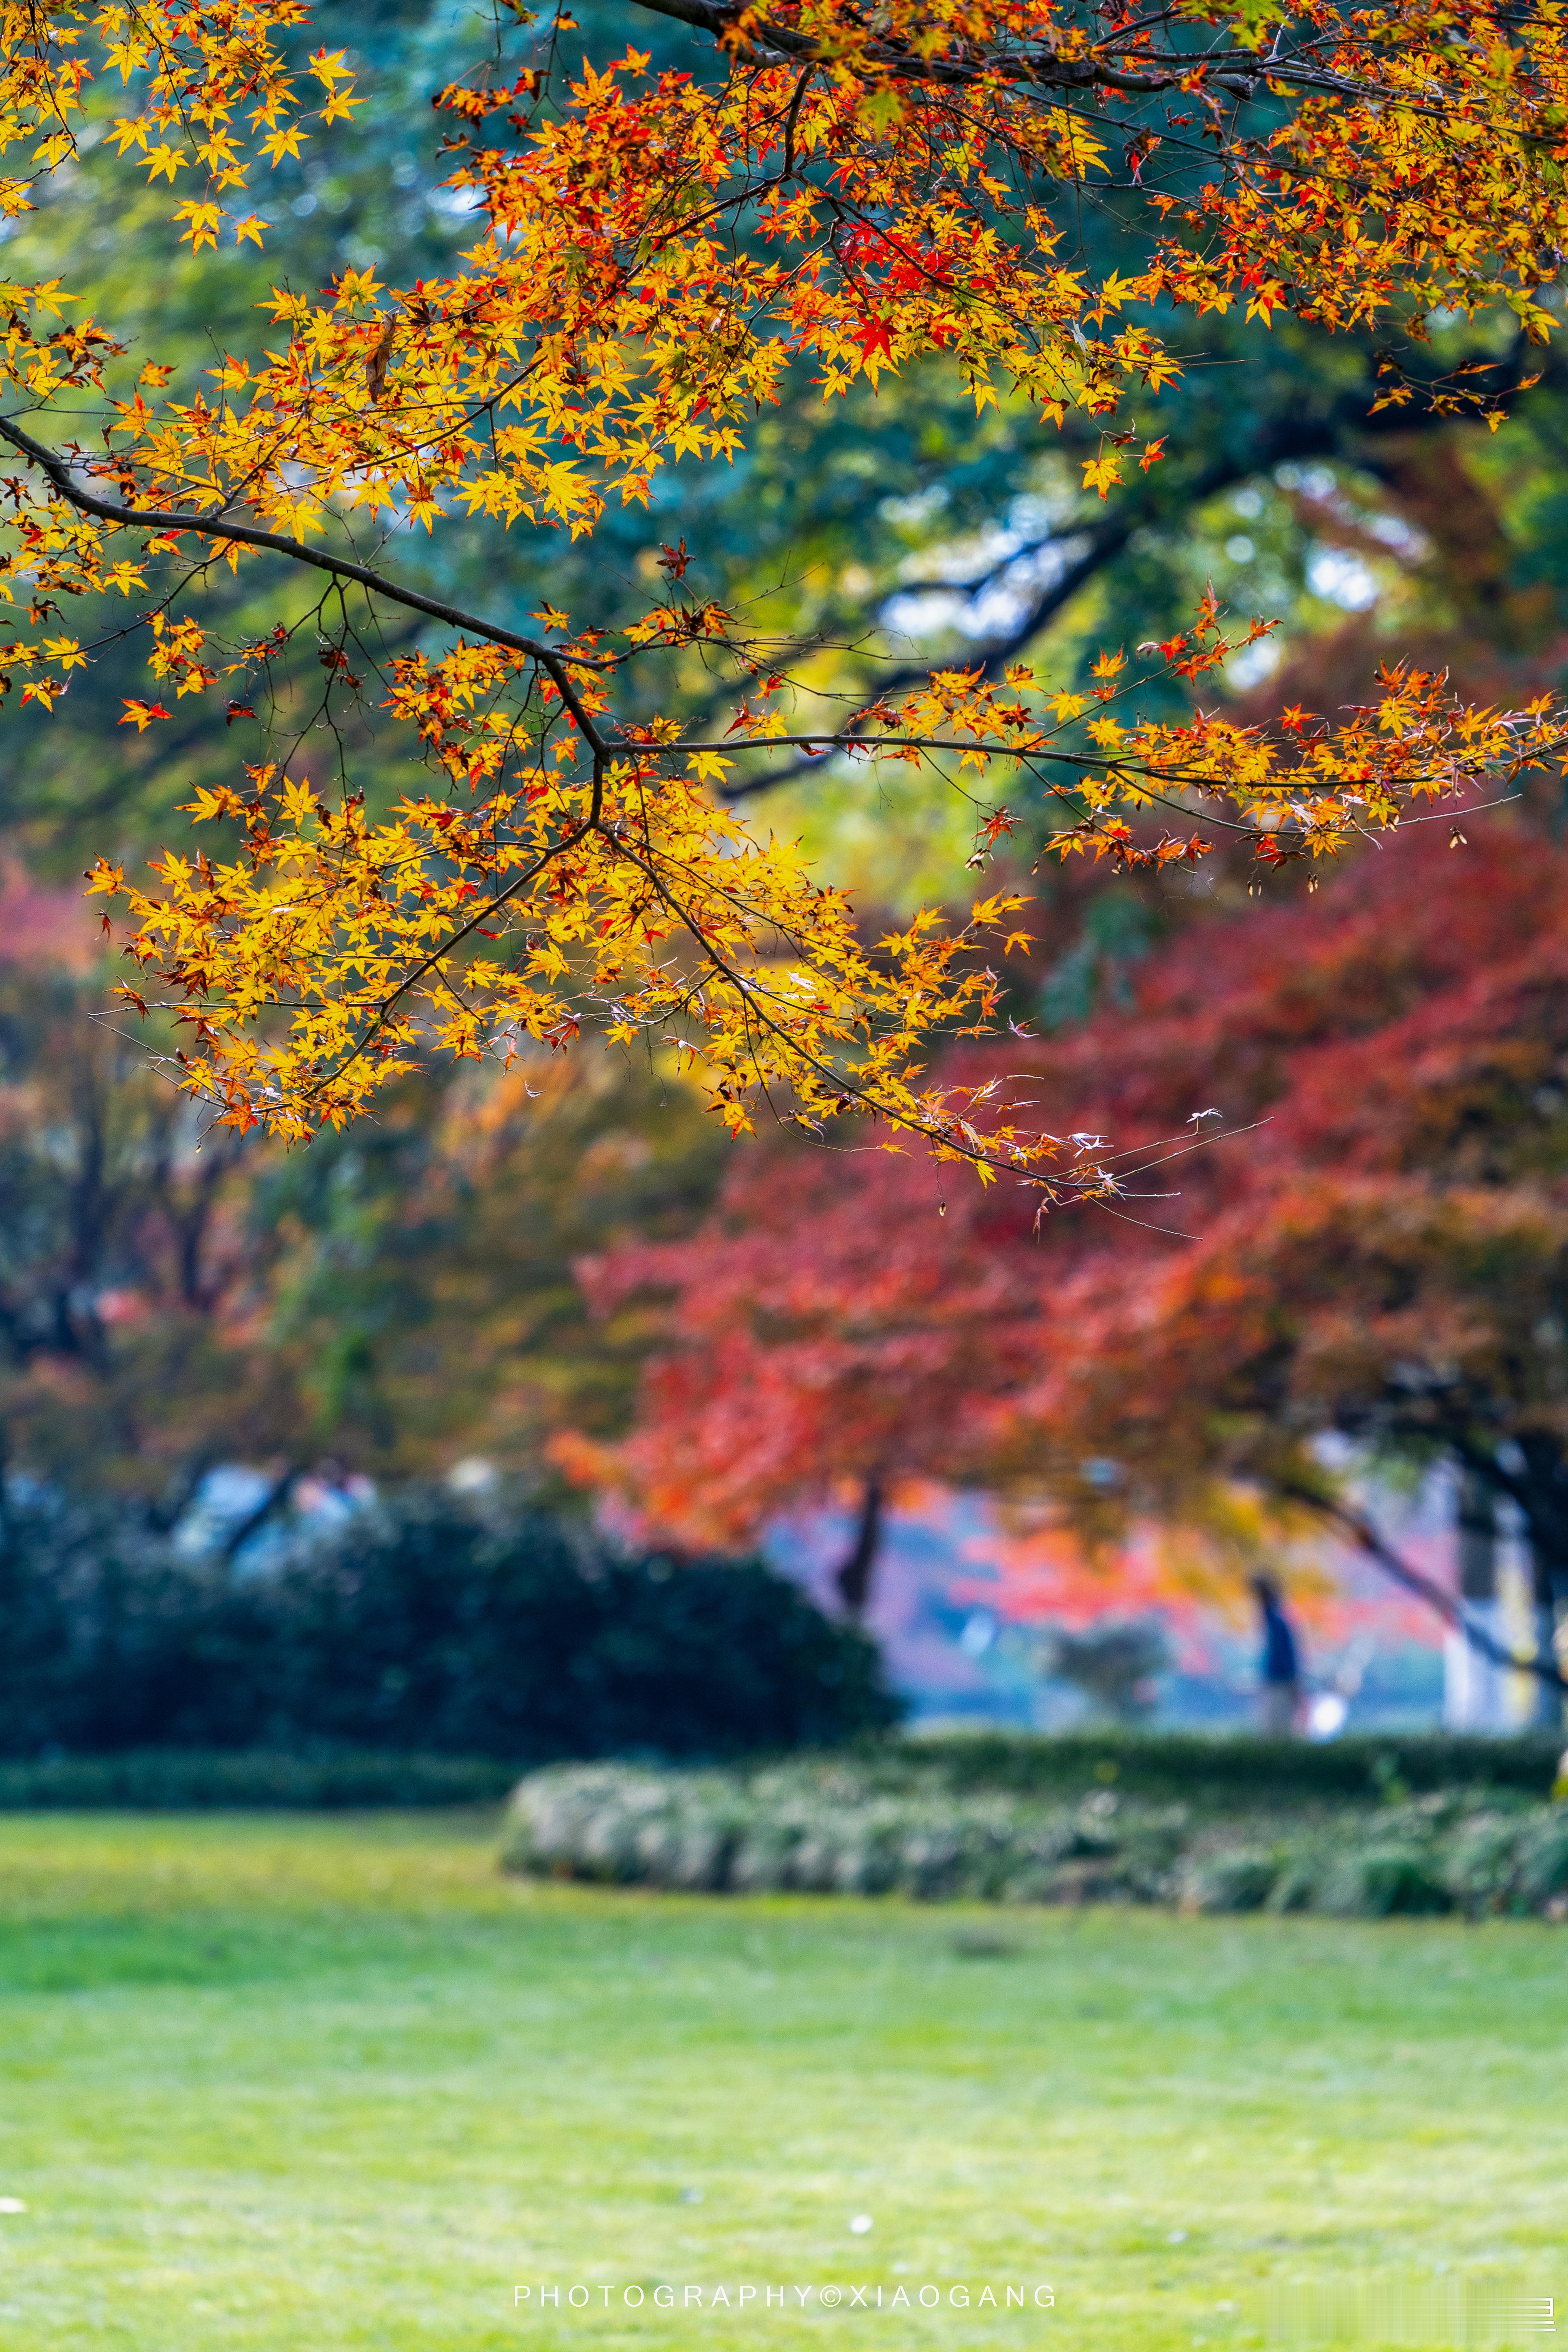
(1304, 788)
(202, 88)
(586, 881)
(331, 948)
(211, 83)
(1425, 157)
(854, 189)
(1312, 789)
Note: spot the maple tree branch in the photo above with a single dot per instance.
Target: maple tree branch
(1062, 1188)
(1107, 544)
(298, 551)
(1342, 429)
(848, 1088)
(384, 1009)
(841, 740)
(935, 585)
(1239, 72)
(763, 40)
(1364, 1535)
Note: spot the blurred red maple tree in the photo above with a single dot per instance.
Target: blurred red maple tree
(1383, 1259)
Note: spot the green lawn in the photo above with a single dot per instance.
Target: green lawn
(319, 2083)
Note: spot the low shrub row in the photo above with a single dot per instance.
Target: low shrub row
(1477, 1856)
(1217, 1766)
(829, 1828)
(824, 1829)
(427, 1625)
(185, 1780)
(1100, 1824)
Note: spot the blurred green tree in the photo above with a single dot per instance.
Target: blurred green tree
(170, 1297)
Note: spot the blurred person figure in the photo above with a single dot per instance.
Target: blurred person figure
(1278, 1666)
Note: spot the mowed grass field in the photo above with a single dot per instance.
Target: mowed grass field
(296, 2084)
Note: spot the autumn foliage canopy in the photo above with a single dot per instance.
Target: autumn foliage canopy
(1383, 1258)
(831, 188)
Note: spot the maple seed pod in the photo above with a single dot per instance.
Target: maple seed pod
(1455, 839)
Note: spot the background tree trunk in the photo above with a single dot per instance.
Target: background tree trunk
(853, 1578)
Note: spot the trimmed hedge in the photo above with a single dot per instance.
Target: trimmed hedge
(824, 1829)
(1230, 1766)
(832, 1827)
(178, 1780)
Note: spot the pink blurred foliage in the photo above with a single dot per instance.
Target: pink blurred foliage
(1039, 1576)
(42, 926)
